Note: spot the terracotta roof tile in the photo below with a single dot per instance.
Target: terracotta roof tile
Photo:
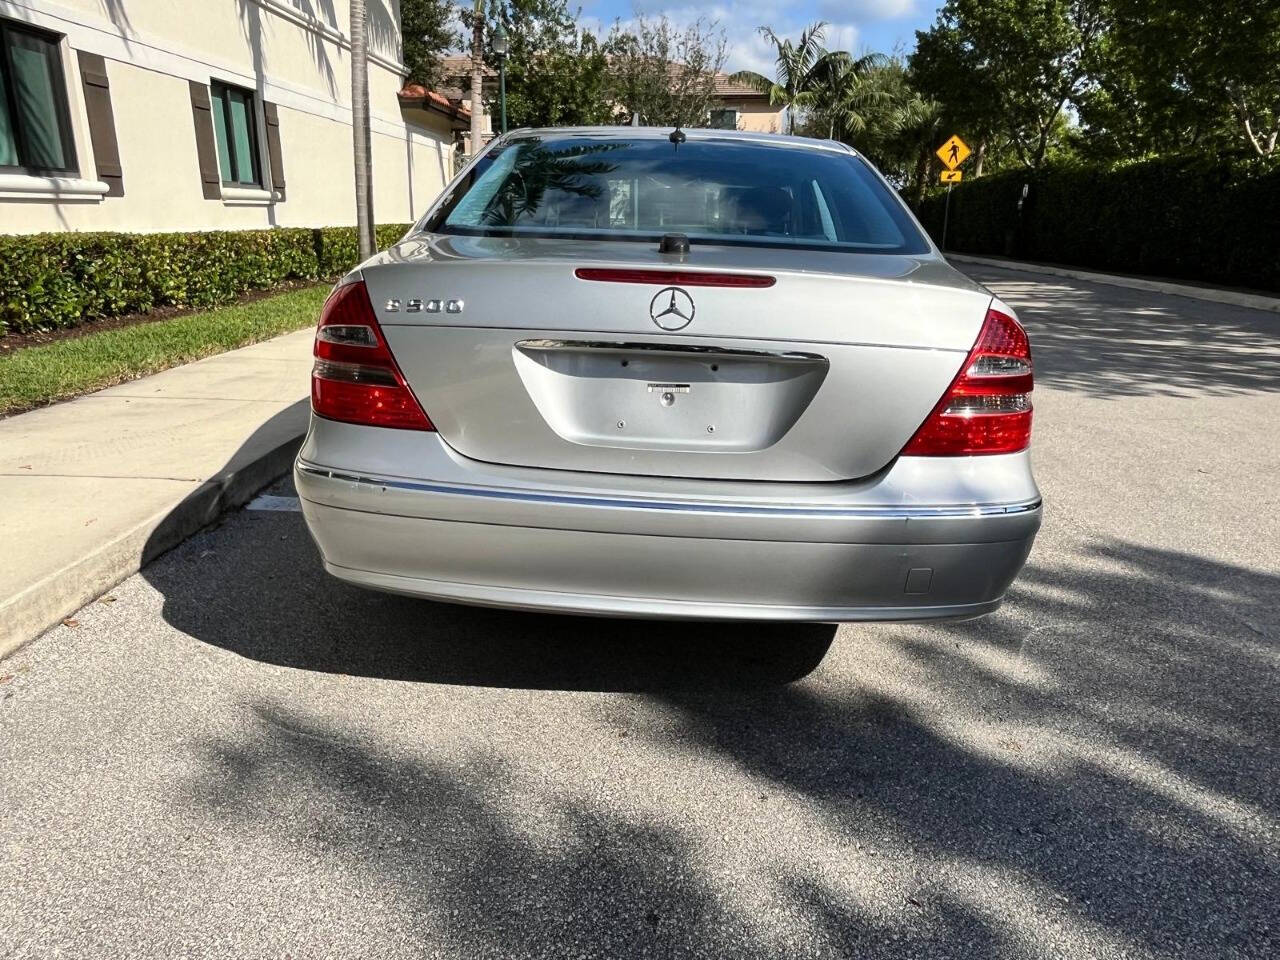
(727, 87)
(416, 91)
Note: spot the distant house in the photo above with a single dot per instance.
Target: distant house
(146, 115)
(740, 107)
(736, 106)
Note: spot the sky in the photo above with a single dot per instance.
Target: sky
(859, 26)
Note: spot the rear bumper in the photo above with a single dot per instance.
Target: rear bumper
(891, 548)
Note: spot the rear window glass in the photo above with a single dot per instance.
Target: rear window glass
(715, 191)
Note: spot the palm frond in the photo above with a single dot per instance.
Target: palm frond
(756, 81)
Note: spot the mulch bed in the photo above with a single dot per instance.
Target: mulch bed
(17, 341)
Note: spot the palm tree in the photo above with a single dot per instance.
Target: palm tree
(871, 104)
(918, 130)
(848, 94)
(477, 76)
(360, 129)
(798, 70)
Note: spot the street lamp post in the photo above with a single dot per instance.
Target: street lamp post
(500, 48)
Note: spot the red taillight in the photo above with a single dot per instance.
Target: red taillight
(355, 378)
(675, 278)
(987, 408)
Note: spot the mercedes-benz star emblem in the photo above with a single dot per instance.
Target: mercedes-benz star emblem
(671, 308)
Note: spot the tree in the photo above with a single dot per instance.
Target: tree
(877, 110)
(662, 75)
(425, 33)
(1009, 67)
(477, 75)
(799, 69)
(915, 137)
(1176, 74)
(361, 148)
(899, 127)
(944, 72)
(557, 74)
(848, 93)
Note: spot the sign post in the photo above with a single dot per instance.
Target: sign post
(946, 218)
(952, 153)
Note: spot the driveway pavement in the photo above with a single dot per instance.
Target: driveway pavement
(236, 756)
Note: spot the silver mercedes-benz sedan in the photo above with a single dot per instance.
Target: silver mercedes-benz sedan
(658, 373)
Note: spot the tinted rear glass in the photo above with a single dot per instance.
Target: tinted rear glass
(718, 191)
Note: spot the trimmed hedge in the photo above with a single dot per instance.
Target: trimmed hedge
(63, 279)
(1172, 217)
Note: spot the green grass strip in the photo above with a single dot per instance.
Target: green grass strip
(34, 376)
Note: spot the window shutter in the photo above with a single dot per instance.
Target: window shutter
(102, 121)
(272, 117)
(202, 114)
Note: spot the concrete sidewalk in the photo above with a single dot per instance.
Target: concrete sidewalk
(92, 489)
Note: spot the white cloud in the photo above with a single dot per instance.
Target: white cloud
(862, 10)
(842, 36)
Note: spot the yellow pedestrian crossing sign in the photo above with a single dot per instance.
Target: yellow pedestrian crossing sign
(952, 176)
(953, 153)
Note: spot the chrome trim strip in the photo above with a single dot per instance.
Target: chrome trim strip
(702, 352)
(495, 493)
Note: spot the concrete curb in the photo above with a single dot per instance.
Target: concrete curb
(28, 614)
(1236, 298)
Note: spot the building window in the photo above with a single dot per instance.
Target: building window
(724, 120)
(35, 129)
(235, 124)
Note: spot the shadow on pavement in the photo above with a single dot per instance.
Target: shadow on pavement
(1117, 342)
(295, 615)
(1106, 782)
(1094, 765)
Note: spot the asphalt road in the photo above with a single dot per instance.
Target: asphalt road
(236, 756)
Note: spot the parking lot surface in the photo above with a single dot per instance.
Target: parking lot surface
(234, 755)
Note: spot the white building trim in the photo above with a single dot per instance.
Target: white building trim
(19, 186)
(248, 196)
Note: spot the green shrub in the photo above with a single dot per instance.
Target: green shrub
(62, 279)
(1172, 217)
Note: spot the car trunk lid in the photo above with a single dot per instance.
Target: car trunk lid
(523, 352)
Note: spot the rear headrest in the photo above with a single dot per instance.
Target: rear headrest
(759, 209)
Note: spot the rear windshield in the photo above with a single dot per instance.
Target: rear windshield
(718, 191)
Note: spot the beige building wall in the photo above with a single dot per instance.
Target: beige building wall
(758, 117)
(293, 53)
